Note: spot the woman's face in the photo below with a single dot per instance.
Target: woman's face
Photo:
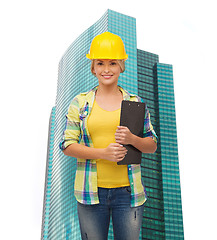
(107, 71)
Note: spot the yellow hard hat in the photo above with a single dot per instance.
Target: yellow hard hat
(107, 46)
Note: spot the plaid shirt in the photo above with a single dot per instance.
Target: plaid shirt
(76, 131)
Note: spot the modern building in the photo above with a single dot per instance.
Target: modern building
(151, 80)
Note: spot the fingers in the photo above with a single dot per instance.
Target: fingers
(123, 135)
(119, 135)
(119, 149)
(119, 138)
(118, 158)
(118, 152)
(117, 145)
(122, 129)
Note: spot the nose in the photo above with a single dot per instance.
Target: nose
(106, 68)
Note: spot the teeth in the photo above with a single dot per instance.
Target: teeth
(107, 76)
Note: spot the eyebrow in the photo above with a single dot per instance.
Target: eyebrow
(99, 60)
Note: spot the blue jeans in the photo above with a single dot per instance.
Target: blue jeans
(94, 219)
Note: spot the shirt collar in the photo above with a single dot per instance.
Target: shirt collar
(90, 95)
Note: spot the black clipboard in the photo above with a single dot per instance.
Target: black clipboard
(132, 116)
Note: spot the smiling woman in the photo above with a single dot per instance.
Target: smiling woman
(106, 70)
(94, 137)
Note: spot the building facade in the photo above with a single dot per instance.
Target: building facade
(151, 80)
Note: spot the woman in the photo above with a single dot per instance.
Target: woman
(93, 136)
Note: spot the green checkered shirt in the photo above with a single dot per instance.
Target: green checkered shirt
(76, 131)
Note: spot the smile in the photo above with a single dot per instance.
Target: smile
(107, 76)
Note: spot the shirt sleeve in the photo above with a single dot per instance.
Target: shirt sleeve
(72, 128)
(148, 128)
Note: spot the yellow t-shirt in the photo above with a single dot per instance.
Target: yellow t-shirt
(102, 126)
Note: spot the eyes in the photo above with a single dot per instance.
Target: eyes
(110, 63)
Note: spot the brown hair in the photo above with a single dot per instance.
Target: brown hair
(120, 62)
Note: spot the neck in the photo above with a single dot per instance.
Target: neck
(108, 90)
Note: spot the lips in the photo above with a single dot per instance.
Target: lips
(107, 76)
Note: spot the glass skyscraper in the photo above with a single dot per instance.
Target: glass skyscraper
(151, 80)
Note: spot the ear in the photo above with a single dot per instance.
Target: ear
(93, 71)
(92, 68)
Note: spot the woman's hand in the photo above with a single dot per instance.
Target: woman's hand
(115, 152)
(123, 135)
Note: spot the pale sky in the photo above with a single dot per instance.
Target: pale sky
(35, 35)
